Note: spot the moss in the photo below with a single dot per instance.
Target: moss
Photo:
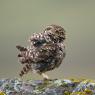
(2, 93)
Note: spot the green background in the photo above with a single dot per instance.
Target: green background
(20, 18)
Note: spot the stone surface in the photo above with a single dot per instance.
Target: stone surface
(45, 87)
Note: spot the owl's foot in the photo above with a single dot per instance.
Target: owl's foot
(45, 76)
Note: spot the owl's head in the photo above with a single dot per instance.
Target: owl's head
(56, 33)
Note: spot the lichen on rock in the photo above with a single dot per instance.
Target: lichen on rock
(47, 87)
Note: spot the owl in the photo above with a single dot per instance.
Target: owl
(45, 52)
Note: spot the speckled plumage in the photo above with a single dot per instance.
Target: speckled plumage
(45, 52)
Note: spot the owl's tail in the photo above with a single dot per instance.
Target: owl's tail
(20, 48)
(25, 70)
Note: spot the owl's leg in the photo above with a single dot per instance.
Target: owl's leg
(45, 76)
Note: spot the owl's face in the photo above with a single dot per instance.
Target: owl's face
(56, 33)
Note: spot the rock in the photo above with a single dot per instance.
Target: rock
(47, 87)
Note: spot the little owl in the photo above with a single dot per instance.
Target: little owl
(45, 52)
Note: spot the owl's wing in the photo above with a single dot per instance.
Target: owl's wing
(23, 55)
(48, 57)
(45, 53)
(43, 58)
(37, 39)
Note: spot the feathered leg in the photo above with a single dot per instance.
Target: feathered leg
(45, 76)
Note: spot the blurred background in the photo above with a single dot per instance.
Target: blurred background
(20, 18)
